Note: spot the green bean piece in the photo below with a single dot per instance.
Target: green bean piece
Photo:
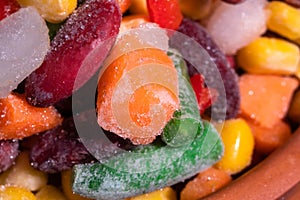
(148, 168)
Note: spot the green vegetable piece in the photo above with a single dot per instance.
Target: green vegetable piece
(183, 127)
(148, 168)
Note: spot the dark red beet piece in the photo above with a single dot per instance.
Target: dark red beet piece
(7, 7)
(59, 149)
(230, 78)
(80, 45)
(8, 153)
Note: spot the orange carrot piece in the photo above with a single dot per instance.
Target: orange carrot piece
(148, 78)
(133, 21)
(266, 98)
(19, 119)
(269, 139)
(124, 5)
(205, 183)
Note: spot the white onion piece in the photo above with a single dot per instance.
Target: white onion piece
(24, 43)
(234, 26)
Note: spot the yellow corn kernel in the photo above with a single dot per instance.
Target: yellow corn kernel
(238, 146)
(15, 193)
(54, 11)
(49, 192)
(196, 9)
(284, 19)
(138, 7)
(22, 174)
(269, 56)
(162, 194)
(66, 177)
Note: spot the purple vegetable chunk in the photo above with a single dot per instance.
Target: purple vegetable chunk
(8, 153)
(59, 149)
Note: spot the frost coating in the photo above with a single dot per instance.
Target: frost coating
(24, 43)
(235, 26)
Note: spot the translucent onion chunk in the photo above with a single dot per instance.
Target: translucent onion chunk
(235, 26)
(24, 43)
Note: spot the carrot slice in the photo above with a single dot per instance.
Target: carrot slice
(205, 183)
(19, 119)
(269, 139)
(138, 94)
(132, 21)
(124, 5)
(266, 98)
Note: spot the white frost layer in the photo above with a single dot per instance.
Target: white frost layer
(234, 26)
(24, 43)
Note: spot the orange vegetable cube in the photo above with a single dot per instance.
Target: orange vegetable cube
(269, 139)
(266, 98)
(18, 119)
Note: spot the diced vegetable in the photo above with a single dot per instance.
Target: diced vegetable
(218, 74)
(147, 88)
(205, 183)
(238, 145)
(283, 19)
(234, 26)
(269, 56)
(132, 21)
(87, 35)
(269, 139)
(266, 98)
(7, 7)
(23, 175)
(183, 127)
(163, 194)
(15, 193)
(124, 5)
(24, 44)
(19, 119)
(147, 168)
(66, 180)
(166, 13)
(54, 11)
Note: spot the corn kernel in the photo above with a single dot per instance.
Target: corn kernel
(15, 193)
(284, 19)
(54, 11)
(196, 9)
(162, 194)
(238, 146)
(66, 177)
(22, 174)
(50, 192)
(269, 56)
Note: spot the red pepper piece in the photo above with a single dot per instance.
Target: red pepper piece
(7, 7)
(166, 13)
(205, 96)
